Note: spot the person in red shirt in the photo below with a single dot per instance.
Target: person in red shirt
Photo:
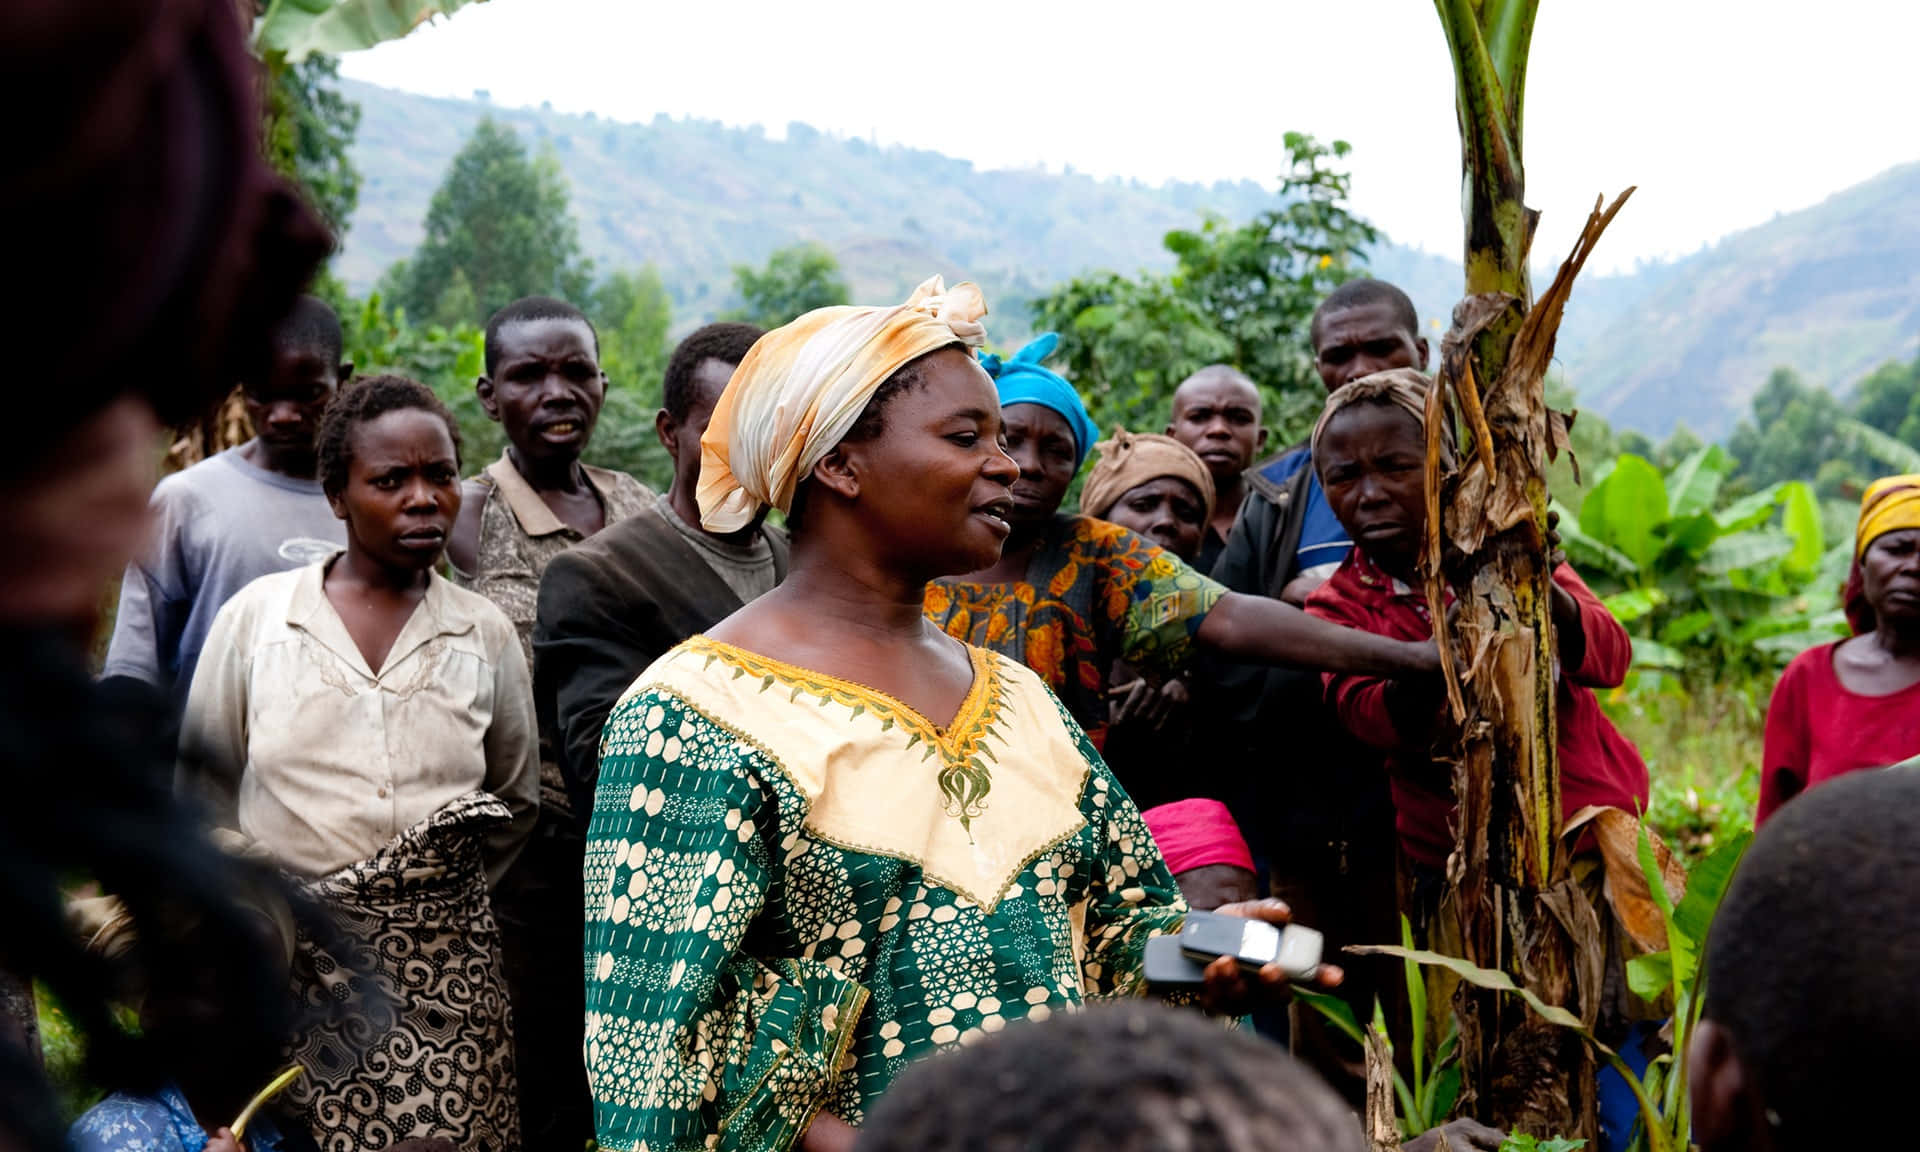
(1370, 449)
(1855, 703)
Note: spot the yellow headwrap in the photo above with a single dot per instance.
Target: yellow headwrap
(802, 387)
(1128, 461)
(1891, 503)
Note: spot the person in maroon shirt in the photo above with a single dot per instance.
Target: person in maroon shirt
(1855, 703)
(1370, 448)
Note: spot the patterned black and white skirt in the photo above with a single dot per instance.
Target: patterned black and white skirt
(408, 1033)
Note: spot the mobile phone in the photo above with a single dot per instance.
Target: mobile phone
(1166, 966)
(1254, 943)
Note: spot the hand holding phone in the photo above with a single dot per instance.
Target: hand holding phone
(1253, 943)
(1180, 960)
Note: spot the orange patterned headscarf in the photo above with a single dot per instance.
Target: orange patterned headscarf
(802, 387)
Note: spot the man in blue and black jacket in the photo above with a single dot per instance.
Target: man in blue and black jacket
(1322, 829)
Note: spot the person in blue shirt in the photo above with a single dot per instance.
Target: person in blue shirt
(164, 1122)
(1324, 836)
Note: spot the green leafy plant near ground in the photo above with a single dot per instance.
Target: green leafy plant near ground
(1521, 1142)
(1702, 750)
(1427, 1100)
(1674, 973)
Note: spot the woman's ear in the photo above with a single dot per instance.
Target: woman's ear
(839, 471)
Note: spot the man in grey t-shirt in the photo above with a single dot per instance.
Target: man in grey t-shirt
(237, 516)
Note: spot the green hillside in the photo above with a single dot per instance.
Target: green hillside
(695, 197)
(1831, 291)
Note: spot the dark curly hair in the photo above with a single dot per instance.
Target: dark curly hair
(370, 399)
(1808, 960)
(1123, 1077)
(725, 342)
(1361, 294)
(526, 310)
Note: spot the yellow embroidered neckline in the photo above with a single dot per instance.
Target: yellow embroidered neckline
(962, 744)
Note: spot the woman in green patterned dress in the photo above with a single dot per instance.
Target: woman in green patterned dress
(828, 838)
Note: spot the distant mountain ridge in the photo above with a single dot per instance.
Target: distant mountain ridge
(1831, 291)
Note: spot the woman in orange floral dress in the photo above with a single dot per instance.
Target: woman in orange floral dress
(1070, 595)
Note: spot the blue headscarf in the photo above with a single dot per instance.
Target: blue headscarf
(1024, 380)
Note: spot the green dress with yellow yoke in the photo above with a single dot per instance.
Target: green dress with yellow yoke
(797, 885)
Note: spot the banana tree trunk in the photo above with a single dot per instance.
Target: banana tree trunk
(1518, 908)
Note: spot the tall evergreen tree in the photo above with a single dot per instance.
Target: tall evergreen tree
(498, 228)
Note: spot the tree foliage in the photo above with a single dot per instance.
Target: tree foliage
(795, 281)
(498, 229)
(1240, 294)
(633, 312)
(309, 129)
(1798, 431)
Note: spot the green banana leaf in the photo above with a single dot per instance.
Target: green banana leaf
(1589, 555)
(1695, 482)
(1749, 511)
(1634, 603)
(1745, 550)
(297, 29)
(1800, 515)
(1484, 978)
(1706, 884)
(1623, 510)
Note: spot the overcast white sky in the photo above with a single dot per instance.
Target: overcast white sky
(1724, 112)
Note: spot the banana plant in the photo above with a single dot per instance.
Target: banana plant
(1674, 974)
(1487, 539)
(1707, 587)
(284, 33)
(292, 30)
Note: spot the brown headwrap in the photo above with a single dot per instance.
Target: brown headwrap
(1404, 388)
(1128, 461)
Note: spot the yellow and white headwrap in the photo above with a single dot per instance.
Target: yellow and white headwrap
(803, 386)
(1890, 504)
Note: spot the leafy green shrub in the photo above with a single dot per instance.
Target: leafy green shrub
(1712, 591)
(1240, 294)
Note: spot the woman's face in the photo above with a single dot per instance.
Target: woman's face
(403, 490)
(1372, 461)
(1041, 442)
(1890, 573)
(935, 482)
(1166, 510)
